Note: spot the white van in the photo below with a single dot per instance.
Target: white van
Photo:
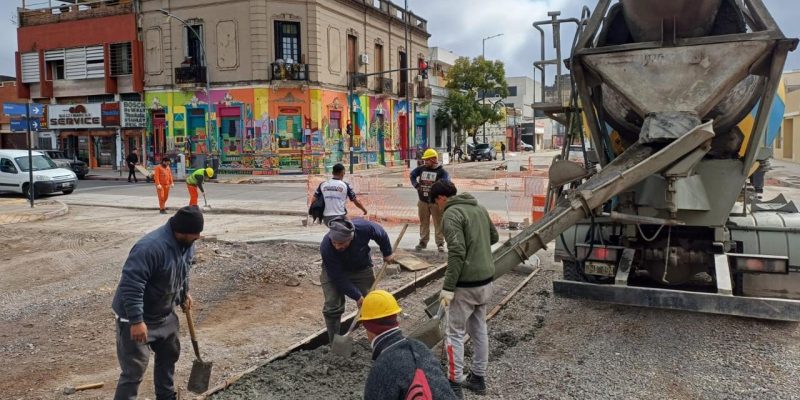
(47, 176)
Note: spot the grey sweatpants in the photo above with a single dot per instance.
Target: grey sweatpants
(162, 339)
(333, 308)
(467, 315)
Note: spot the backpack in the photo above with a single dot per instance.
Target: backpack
(317, 209)
(419, 388)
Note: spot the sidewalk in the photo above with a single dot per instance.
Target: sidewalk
(13, 211)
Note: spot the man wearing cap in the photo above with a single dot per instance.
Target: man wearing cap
(195, 181)
(397, 358)
(155, 278)
(347, 265)
(422, 178)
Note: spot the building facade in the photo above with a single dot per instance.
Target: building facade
(82, 61)
(440, 62)
(277, 74)
(787, 144)
(8, 94)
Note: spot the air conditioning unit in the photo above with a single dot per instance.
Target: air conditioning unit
(363, 58)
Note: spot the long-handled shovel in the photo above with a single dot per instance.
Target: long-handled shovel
(343, 344)
(201, 370)
(205, 202)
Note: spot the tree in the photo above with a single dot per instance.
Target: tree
(467, 81)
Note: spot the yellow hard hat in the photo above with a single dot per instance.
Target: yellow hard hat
(430, 153)
(378, 304)
(210, 171)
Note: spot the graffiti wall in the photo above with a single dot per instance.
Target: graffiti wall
(266, 131)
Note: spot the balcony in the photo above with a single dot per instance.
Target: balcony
(190, 75)
(405, 88)
(358, 81)
(383, 85)
(423, 92)
(41, 13)
(289, 72)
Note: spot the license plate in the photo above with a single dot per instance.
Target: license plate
(66, 185)
(596, 268)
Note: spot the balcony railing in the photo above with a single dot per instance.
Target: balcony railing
(358, 80)
(289, 72)
(383, 85)
(191, 74)
(404, 88)
(423, 92)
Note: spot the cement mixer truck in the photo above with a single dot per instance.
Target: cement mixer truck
(680, 101)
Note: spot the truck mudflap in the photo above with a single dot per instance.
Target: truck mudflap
(712, 303)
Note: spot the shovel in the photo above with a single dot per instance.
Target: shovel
(205, 201)
(201, 370)
(342, 345)
(430, 332)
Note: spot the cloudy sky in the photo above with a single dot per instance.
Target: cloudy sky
(459, 25)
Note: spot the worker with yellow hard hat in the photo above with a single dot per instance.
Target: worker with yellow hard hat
(402, 366)
(422, 178)
(194, 182)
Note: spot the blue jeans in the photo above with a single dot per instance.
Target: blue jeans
(162, 339)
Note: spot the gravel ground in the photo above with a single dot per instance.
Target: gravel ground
(545, 347)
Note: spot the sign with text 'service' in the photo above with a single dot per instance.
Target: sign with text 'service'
(74, 116)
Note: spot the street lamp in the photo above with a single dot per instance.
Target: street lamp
(483, 95)
(205, 64)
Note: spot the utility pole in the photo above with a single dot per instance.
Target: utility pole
(410, 107)
(483, 93)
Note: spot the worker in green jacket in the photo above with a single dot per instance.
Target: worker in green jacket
(195, 181)
(467, 287)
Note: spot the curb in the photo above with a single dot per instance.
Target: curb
(63, 210)
(242, 211)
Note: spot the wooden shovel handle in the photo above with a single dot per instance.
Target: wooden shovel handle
(97, 385)
(190, 322)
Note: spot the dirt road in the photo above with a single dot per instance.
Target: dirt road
(59, 276)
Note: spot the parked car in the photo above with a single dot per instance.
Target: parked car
(526, 147)
(483, 151)
(77, 166)
(47, 176)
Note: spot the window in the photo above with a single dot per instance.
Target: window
(510, 105)
(287, 41)
(29, 64)
(194, 45)
(378, 57)
(121, 60)
(130, 97)
(55, 69)
(7, 166)
(352, 54)
(100, 98)
(403, 64)
(512, 91)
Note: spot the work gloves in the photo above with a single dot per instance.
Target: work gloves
(445, 297)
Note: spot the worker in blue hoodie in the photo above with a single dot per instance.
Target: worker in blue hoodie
(347, 265)
(155, 278)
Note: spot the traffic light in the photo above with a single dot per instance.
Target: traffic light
(349, 128)
(423, 69)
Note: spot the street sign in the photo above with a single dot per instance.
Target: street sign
(18, 109)
(14, 109)
(21, 124)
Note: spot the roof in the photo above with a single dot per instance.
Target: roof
(18, 153)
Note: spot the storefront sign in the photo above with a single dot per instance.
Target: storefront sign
(109, 114)
(76, 116)
(133, 114)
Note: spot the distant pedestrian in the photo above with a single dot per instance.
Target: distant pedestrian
(422, 178)
(347, 265)
(155, 278)
(503, 149)
(194, 182)
(336, 191)
(398, 361)
(467, 285)
(162, 176)
(132, 160)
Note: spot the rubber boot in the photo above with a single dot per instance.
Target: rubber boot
(475, 383)
(456, 389)
(334, 326)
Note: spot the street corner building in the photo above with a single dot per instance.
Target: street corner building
(245, 86)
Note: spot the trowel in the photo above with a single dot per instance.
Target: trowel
(343, 344)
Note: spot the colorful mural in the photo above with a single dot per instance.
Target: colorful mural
(267, 131)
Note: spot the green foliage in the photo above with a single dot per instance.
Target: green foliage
(467, 80)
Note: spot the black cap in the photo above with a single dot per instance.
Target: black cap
(188, 219)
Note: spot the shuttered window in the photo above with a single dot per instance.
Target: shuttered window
(30, 67)
(84, 63)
